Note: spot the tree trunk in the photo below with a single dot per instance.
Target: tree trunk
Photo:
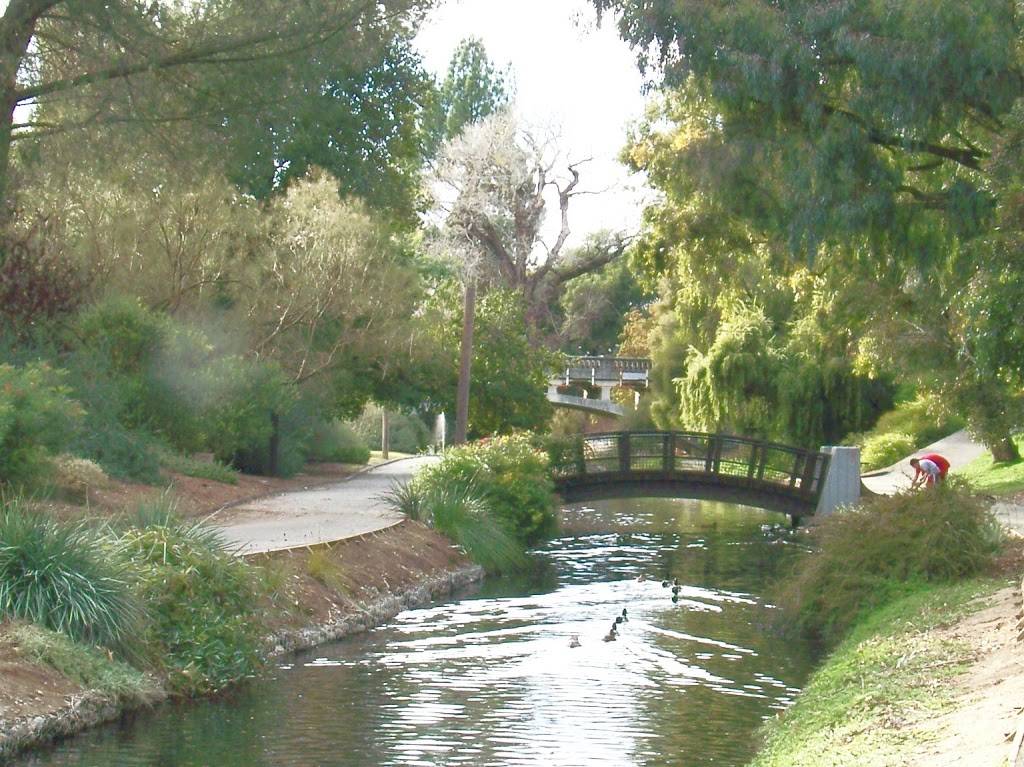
(17, 25)
(385, 442)
(465, 363)
(1004, 450)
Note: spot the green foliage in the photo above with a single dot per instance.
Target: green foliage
(37, 420)
(462, 512)
(88, 666)
(910, 426)
(407, 432)
(200, 599)
(359, 119)
(510, 475)
(127, 454)
(472, 89)
(63, 577)
(509, 372)
(337, 442)
(866, 557)
(884, 449)
(922, 418)
(244, 394)
(596, 307)
(844, 138)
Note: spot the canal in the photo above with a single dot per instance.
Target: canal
(491, 678)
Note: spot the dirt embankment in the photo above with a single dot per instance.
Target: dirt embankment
(319, 594)
(193, 496)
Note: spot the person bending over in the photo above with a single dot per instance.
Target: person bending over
(929, 469)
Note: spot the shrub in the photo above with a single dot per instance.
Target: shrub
(127, 454)
(78, 476)
(910, 426)
(510, 475)
(37, 281)
(200, 601)
(867, 556)
(882, 450)
(197, 467)
(465, 515)
(921, 418)
(336, 442)
(37, 419)
(62, 577)
(243, 397)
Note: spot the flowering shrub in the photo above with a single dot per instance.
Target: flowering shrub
(78, 475)
(512, 478)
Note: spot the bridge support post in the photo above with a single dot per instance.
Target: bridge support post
(841, 485)
(625, 460)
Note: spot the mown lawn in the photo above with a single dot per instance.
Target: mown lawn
(987, 476)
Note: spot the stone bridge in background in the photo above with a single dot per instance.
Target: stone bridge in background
(586, 383)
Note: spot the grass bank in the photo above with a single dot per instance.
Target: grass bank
(894, 668)
(988, 476)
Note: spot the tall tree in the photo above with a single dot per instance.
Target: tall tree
(109, 62)
(474, 88)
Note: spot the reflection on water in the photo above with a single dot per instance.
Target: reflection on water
(492, 680)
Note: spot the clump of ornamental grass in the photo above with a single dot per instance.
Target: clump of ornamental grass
(65, 577)
(461, 512)
(865, 557)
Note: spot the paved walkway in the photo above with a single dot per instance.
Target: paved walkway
(958, 448)
(345, 509)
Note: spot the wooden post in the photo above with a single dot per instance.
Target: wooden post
(711, 457)
(669, 456)
(275, 444)
(385, 437)
(465, 363)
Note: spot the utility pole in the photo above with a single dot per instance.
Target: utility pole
(465, 362)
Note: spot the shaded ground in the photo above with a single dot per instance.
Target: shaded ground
(195, 496)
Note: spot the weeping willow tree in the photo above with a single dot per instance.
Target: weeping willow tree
(876, 140)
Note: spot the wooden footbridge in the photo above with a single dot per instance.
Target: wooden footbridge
(679, 464)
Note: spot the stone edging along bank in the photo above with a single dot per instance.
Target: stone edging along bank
(91, 709)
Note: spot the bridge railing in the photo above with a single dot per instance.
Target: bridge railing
(738, 460)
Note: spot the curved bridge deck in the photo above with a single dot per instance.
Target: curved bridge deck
(692, 465)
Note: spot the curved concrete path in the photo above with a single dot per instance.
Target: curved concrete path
(333, 512)
(958, 448)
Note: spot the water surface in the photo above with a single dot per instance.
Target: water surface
(490, 679)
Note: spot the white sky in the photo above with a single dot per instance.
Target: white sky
(569, 75)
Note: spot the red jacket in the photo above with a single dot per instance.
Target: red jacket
(939, 461)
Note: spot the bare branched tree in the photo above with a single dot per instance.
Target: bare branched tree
(494, 183)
